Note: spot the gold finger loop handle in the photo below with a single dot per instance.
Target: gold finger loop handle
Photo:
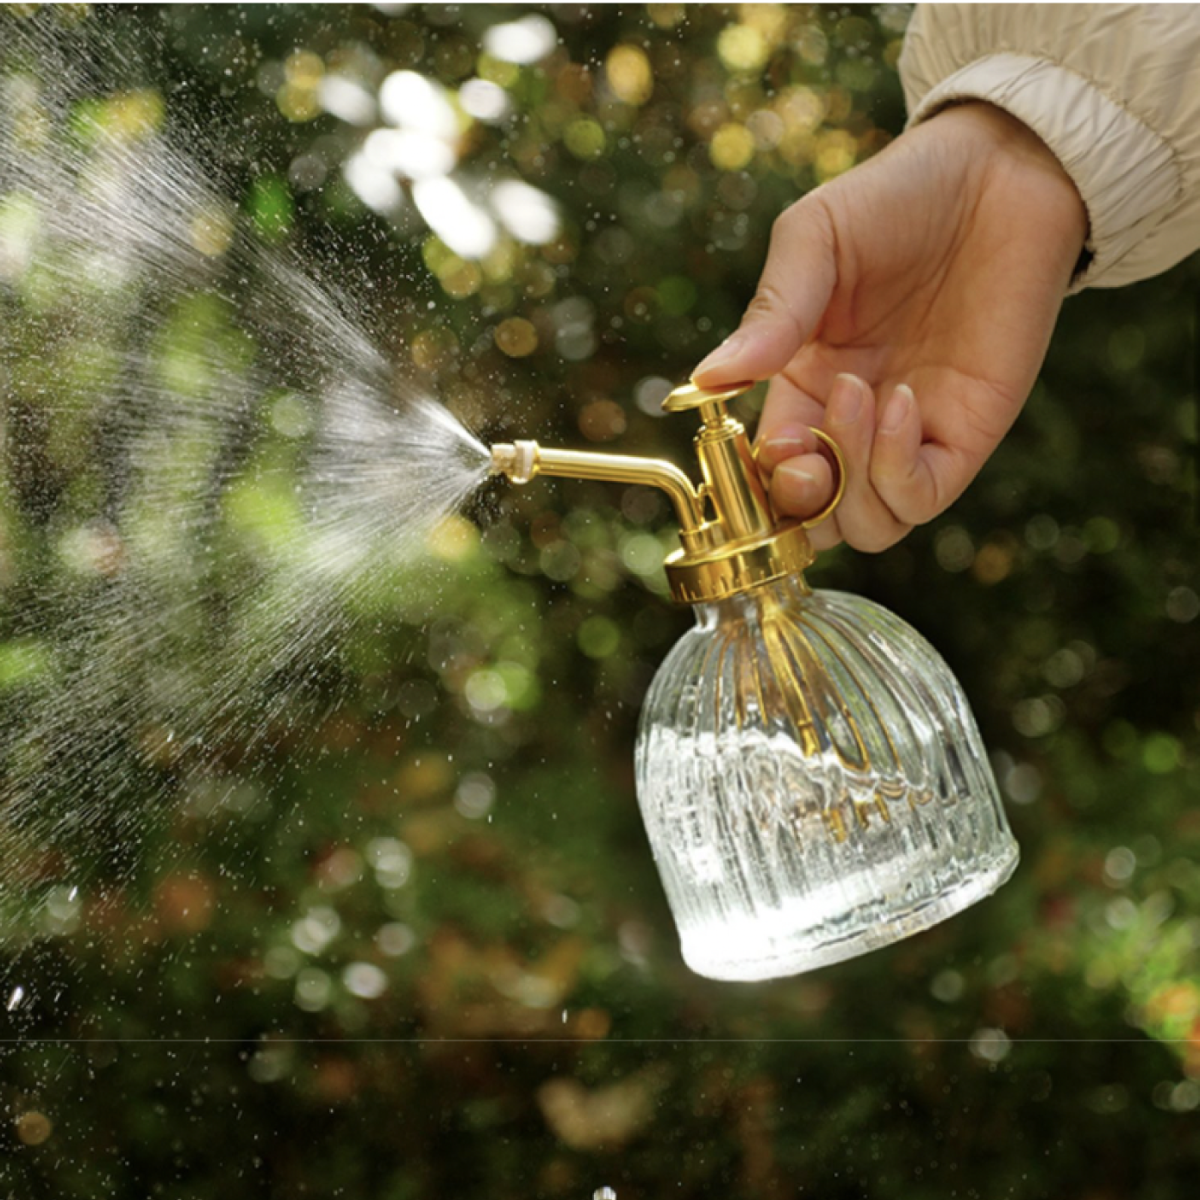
(839, 477)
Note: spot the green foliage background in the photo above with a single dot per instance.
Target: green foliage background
(197, 1021)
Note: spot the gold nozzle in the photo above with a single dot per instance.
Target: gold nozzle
(522, 461)
(739, 546)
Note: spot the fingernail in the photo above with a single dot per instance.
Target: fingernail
(785, 443)
(801, 485)
(897, 408)
(846, 402)
(726, 352)
(798, 473)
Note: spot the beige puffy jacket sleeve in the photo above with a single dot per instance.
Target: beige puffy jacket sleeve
(1113, 90)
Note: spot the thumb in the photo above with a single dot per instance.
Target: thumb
(795, 289)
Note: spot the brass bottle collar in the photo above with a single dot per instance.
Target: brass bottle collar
(730, 540)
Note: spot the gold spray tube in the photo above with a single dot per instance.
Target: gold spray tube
(522, 461)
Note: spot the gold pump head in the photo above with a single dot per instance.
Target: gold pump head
(730, 541)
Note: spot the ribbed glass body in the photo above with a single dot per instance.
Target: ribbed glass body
(813, 784)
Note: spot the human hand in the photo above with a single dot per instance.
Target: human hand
(905, 308)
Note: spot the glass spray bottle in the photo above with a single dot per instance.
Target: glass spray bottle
(811, 779)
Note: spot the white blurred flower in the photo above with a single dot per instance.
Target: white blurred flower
(414, 102)
(461, 224)
(395, 939)
(526, 212)
(523, 41)
(316, 929)
(392, 861)
(364, 980)
(313, 989)
(990, 1045)
(410, 153)
(347, 100)
(483, 100)
(375, 186)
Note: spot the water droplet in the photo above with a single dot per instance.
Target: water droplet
(133, 210)
(604, 1193)
(15, 998)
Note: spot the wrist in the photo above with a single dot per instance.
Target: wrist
(1005, 147)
